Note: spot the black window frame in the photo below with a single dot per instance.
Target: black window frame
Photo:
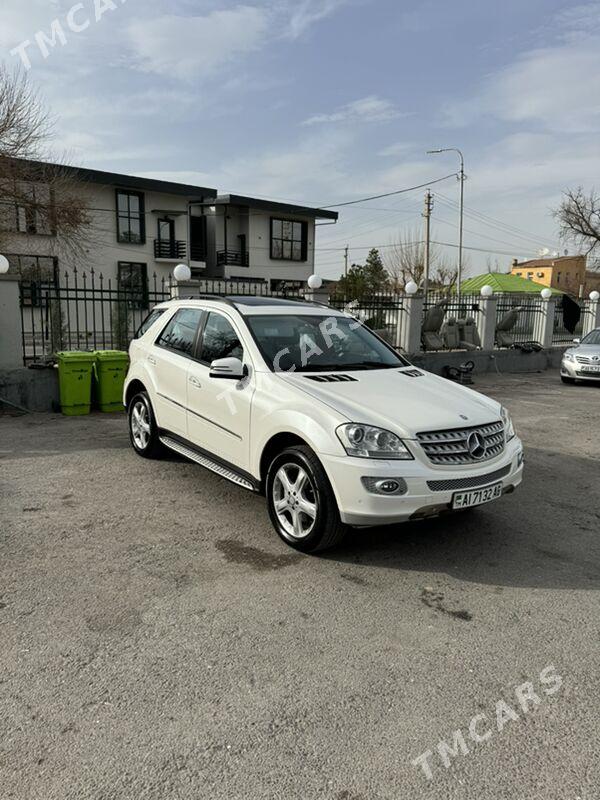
(199, 349)
(192, 355)
(171, 223)
(140, 216)
(303, 240)
(141, 303)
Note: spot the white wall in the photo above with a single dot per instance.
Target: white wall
(257, 227)
(102, 251)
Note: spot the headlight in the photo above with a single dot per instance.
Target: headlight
(568, 357)
(366, 441)
(509, 430)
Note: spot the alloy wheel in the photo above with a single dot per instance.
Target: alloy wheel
(294, 501)
(140, 425)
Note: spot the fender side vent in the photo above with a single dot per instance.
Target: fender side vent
(331, 378)
(412, 373)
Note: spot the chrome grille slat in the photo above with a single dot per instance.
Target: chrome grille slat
(450, 446)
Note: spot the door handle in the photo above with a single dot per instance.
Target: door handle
(152, 360)
(195, 382)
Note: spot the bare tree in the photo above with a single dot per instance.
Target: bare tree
(579, 218)
(405, 261)
(36, 197)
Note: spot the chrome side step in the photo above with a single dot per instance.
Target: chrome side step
(208, 463)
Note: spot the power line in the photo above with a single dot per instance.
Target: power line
(390, 194)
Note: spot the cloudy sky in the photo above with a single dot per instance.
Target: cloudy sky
(324, 101)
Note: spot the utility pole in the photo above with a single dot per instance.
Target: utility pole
(461, 177)
(427, 215)
(346, 262)
(462, 212)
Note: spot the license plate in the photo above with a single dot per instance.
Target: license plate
(477, 497)
(590, 369)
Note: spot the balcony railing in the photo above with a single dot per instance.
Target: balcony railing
(232, 258)
(198, 252)
(169, 249)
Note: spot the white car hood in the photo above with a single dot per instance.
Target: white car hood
(391, 399)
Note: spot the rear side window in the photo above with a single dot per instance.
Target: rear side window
(220, 340)
(180, 333)
(149, 322)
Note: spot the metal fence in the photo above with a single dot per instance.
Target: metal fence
(380, 312)
(82, 310)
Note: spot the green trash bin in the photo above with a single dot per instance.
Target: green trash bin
(110, 371)
(75, 381)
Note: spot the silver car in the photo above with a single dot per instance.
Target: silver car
(582, 363)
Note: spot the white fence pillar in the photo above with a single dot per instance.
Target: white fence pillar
(181, 289)
(317, 296)
(591, 317)
(410, 322)
(11, 345)
(543, 328)
(486, 322)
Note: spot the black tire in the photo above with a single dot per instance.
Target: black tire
(565, 379)
(328, 530)
(153, 447)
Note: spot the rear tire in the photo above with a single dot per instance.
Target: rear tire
(302, 506)
(143, 431)
(565, 379)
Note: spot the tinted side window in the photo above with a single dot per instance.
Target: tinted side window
(149, 322)
(180, 333)
(220, 340)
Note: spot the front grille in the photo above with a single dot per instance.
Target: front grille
(452, 446)
(331, 378)
(468, 483)
(584, 359)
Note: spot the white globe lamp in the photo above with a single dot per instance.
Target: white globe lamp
(546, 294)
(182, 272)
(487, 290)
(594, 296)
(4, 265)
(411, 288)
(315, 282)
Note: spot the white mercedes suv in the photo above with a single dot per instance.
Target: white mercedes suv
(307, 405)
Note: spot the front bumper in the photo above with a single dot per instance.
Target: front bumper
(359, 507)
(572, 369)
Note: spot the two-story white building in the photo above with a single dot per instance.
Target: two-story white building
(141, 228)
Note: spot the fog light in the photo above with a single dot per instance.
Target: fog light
(387, 486)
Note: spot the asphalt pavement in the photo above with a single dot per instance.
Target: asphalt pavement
(157, 640)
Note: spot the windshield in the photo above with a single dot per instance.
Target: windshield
(592, 338)
(308, 343)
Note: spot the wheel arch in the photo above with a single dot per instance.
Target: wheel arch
(276, 444)
(134, 387)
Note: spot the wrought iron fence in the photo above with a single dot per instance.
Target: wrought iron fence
(82, 310)
(380, 312)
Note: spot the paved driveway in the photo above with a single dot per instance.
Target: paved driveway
(158, 641)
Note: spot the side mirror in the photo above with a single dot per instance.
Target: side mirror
(576, 341)
(230, 368)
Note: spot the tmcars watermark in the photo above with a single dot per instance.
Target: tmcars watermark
(308, 349)
(77, 19)
(482, 727)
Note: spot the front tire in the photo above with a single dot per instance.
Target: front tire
(302, 506)
(143, 431)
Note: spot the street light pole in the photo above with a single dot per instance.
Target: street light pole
(461, 177)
